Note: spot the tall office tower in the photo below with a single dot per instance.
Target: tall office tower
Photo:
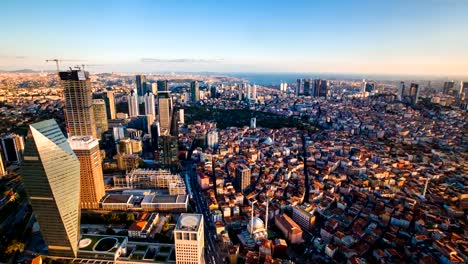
(155, 133)
(150, 106)
(214, 91)
(242, 177)
(91, 177)
(401, 91)
(163, 86)
(133, 106)
(363, 87)
(118, 132)
(299, 87)
(79, 112)
(110, 104)
(100, 116)
(13, 147)
(212, 139)
(414, 93)
(165, 110)
(463, 92)
(109, 100)
(168, 150)
(181, 116)
(51, 176)
(140, 81)
(195, 91)
(189, 239)
(253, 122)
(308, 87)
(2, 166)
(319, 88)
(154, 88)
(253, 92)
(448, 87)
(370, 87)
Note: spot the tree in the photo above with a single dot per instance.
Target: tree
(110, 231)
(13, 247)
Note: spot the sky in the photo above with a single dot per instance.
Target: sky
(425, 37)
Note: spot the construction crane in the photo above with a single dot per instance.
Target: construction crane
(57, 63)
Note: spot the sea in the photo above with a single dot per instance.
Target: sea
(268, 79)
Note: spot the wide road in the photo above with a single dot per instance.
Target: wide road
(212, 252)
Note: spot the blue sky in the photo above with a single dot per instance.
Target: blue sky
(379, 36)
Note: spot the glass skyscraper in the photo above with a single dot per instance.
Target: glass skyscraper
(51, 175)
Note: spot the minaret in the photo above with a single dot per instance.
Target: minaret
(266, 215)
(251, 217)
(425, 188)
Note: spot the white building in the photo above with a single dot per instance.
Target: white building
(133, 104)
(253, 122)
(189, 239)
(181, 116)
(212, 139)
(150, 107)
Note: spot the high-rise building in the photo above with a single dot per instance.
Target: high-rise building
(13, 147)
(133, 106)
(401, 91)
(79, 111)
(2, 166)
(163, 86)
(308, 87)
(212, 139)
(150, 106)
(189, 239)
(91, 177)
(463, 93)
(165, 110)
(155, 133)
(100, 116)
(319, 88)
(195, 91)
(448, 87)
(253, 122)
(363, 87)
(214, 91)
(168, 150)
(51, 176)
(140, 81)
(299, 87)
(414, 93)
(243, 176)
(154, 88)
(181, 116)
(109, 100)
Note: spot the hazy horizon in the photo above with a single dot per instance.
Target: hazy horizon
(421, 38)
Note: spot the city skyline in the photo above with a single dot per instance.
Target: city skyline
(362, 37)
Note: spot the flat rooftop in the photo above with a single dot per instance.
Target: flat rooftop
(189, 222)
(117, 198)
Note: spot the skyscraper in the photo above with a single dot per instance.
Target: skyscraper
(414, 93)
(462, 94)
(163, 86)
(51, 175)
(401, 91)
(308, 87)
(168, 151)
(100, 116)
(189, 239)
(109, 100)
(13, 147)
(448, 87)
(140, 81)
(91, 177)
(165, 110)
(133, 106)
(242, 177)
(195, 91)
(212, 139)
(181, 116)
(299, 87)
(79, 112)
(2, 166)
(150, 107)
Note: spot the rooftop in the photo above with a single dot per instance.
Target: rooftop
(189, 222)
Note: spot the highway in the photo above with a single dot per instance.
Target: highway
(212, 252)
